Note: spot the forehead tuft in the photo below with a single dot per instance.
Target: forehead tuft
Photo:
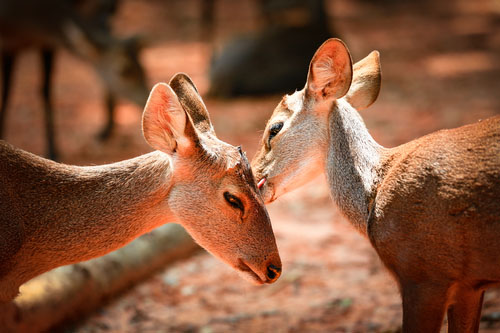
(294, 102)
(241, 166)
(246, 170)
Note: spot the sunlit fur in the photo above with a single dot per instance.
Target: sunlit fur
(54, 214)
(330, 77)
(353, 159)
(429, 207)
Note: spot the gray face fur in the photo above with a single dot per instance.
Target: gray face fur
(296, 153)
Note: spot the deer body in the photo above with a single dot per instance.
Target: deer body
(81, 27)
(45, 227)
(54, 214)
(436, 224)
(430, 207)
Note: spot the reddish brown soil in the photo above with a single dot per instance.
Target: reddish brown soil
(440, 70)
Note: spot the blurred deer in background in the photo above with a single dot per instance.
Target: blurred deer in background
(430, 208)
(265, 62)
(54, 214)
(82, 27)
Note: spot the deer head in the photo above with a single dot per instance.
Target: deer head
(213, 193)
(295, 141)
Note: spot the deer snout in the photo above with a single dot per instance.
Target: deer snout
(261, 272)
(267, 192)
(266, 189)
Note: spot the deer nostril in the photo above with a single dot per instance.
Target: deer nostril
(273, 272)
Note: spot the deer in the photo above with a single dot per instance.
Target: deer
(54, 214)
(81, 27)
(429, 207)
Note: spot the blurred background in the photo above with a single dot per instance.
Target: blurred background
(440, 69)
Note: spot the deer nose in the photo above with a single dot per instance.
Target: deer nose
(273, 273)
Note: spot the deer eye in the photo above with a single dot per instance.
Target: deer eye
(234, 201)
(274, 130)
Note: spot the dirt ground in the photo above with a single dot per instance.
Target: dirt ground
(440, 70)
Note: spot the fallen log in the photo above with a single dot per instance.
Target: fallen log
(68, 291)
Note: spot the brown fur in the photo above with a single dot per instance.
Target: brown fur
(430, 207)
(55, 214)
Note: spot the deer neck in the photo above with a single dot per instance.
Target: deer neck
(353, 159)
(90, 211)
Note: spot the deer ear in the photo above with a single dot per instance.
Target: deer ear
(192, 102)
(330, 71)
(366, 79)
(165, 124)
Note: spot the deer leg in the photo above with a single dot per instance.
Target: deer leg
(8, 60)
(424, 306)
(464, 315)
(110, 122)
(48, 62)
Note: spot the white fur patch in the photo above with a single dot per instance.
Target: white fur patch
(295, 102)
(365, 149)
